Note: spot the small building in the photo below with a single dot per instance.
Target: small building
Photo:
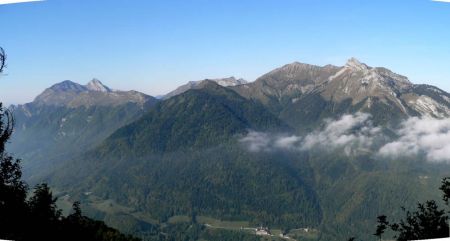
(262, 231)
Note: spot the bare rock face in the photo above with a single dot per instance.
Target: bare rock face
(359, 82)
(96, 85)
(355, 82)
(288, 81)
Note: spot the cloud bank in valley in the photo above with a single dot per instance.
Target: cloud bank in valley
(353, 134)
(421, 136)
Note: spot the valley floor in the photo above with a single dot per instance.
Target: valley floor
(112, 208)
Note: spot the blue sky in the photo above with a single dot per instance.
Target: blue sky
(154, 46)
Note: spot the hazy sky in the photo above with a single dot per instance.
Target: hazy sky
(154, 46)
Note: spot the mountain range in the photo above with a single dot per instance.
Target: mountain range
(298, 91)
(68, 118)
(218, 149)
(94, 93)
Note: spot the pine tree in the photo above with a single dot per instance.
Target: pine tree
(383, 224)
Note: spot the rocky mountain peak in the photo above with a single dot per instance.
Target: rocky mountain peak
(68, 85)
(231, 81)
(97, 85)
(296, 67)
(94, 93)
(361, 86)
(360, 82)
(355, 64)
(226, 82)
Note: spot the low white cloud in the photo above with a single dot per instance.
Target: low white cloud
(424, 137)
(287, 142)
(256, 141)
(421, 136)
(353, 132)
(350, 132)
(444, 1)
(18, 1)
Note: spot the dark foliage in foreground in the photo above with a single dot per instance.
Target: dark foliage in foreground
(427, 222)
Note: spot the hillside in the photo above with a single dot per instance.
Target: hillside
(199, 118)
(225, 82)
(182, 157)
(68, 119)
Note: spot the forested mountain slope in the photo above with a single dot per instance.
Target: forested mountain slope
(67, 119)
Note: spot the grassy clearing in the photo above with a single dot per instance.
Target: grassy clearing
(179, 219)
(235, 225)
(302, 234)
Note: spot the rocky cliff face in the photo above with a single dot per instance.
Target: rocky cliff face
(351, 88)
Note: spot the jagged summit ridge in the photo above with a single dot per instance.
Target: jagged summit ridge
(357, 83)
(97, 85)
(225, 82)
(355, 64)
(231, 81)
(68, 85)
(94, 93)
